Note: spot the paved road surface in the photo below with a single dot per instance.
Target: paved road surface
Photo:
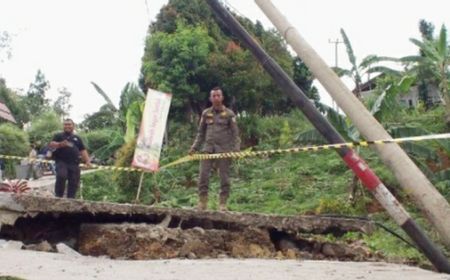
(39, 265)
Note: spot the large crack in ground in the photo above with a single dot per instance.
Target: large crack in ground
(143, 232)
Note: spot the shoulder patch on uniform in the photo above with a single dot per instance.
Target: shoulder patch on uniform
(230, 112)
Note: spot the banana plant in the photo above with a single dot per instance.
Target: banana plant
(387, 104)
(132, 101)
(133, 119)
(366, 66)
(436, 59)
(130, 111)
(383, 105)
(105, 96)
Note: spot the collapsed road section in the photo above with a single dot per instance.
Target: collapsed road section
(129, 231)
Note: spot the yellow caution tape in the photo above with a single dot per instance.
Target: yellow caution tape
(244, 154)
(93, 166)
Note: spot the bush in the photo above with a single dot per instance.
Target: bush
(271, 131)
(13, 141)
(103, 143)
(127, 182)
(99, 186)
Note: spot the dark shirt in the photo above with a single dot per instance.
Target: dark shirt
(68, 154)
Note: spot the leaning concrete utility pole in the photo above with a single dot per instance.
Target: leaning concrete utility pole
(352, 159)
(410, 177)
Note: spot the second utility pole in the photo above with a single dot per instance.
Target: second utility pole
(413, 181)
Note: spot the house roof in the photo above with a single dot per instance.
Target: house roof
(5, 113)
(370, 84)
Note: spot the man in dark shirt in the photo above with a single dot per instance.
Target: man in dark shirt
(68, 149)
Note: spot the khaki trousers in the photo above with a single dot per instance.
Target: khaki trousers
(224, 172)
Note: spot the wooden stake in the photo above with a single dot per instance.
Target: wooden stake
(141, 180)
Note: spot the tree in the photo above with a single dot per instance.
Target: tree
(131, 93)
(43, 127)
(357, 71)
(103, 143)
(191, 12)
(174, 61)
(35, 100)
(433, 63)
(386, 106)
(427, 31)
(187, 53)
(62, 105)
(104, 118)
(131, 108)
(303, 79)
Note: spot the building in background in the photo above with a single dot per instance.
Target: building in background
(5, 113)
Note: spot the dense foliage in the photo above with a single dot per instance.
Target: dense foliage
(43, 128)
(13, 141)
(187, 53)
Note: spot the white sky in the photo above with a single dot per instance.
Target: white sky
(75, 42)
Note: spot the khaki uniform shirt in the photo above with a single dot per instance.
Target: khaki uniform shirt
(217, 132)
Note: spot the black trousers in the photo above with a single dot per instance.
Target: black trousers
(67, 172)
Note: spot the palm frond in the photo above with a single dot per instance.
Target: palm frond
(385, 70)
(376, 107)
(348, 46)
(133, 118)
(342, 72)
(406, 131)
(420, 151)
(427, 47)
(411, 58)
(372, 59)
(405, 84)
(104, 95)
(368, 60)
(442, 45)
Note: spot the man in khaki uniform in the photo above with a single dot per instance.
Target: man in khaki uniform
(218, 133)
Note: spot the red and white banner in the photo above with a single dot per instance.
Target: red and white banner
(151, 134)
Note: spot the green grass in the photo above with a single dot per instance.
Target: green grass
(294, 184)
